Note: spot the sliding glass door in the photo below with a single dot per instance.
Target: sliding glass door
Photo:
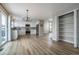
(3, 28)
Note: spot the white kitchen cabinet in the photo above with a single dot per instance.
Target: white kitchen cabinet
(14, 34)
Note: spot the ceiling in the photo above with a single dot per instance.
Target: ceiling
(39, 10)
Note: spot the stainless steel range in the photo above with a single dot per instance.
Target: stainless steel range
(27, 28)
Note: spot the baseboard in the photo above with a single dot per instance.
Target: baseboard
(69, 41)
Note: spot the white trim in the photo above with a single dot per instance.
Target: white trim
(9, 28)
(75, 28)
(57, 28)
(68, 41)
(67, 12)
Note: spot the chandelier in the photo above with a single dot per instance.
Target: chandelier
(27, 18)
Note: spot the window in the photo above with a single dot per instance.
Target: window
(50, 26)
(3, 28)
(3, 19)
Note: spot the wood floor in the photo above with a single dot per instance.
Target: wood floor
(32, 45)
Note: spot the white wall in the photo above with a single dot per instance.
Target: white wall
(46, 26)
(55, 28)
(54, 34)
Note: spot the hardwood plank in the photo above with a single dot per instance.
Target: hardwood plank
(33, 45)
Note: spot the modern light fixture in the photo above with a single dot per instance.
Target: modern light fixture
(27, 15)
(27, 18)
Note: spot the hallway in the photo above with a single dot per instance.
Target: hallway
(26, 45)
